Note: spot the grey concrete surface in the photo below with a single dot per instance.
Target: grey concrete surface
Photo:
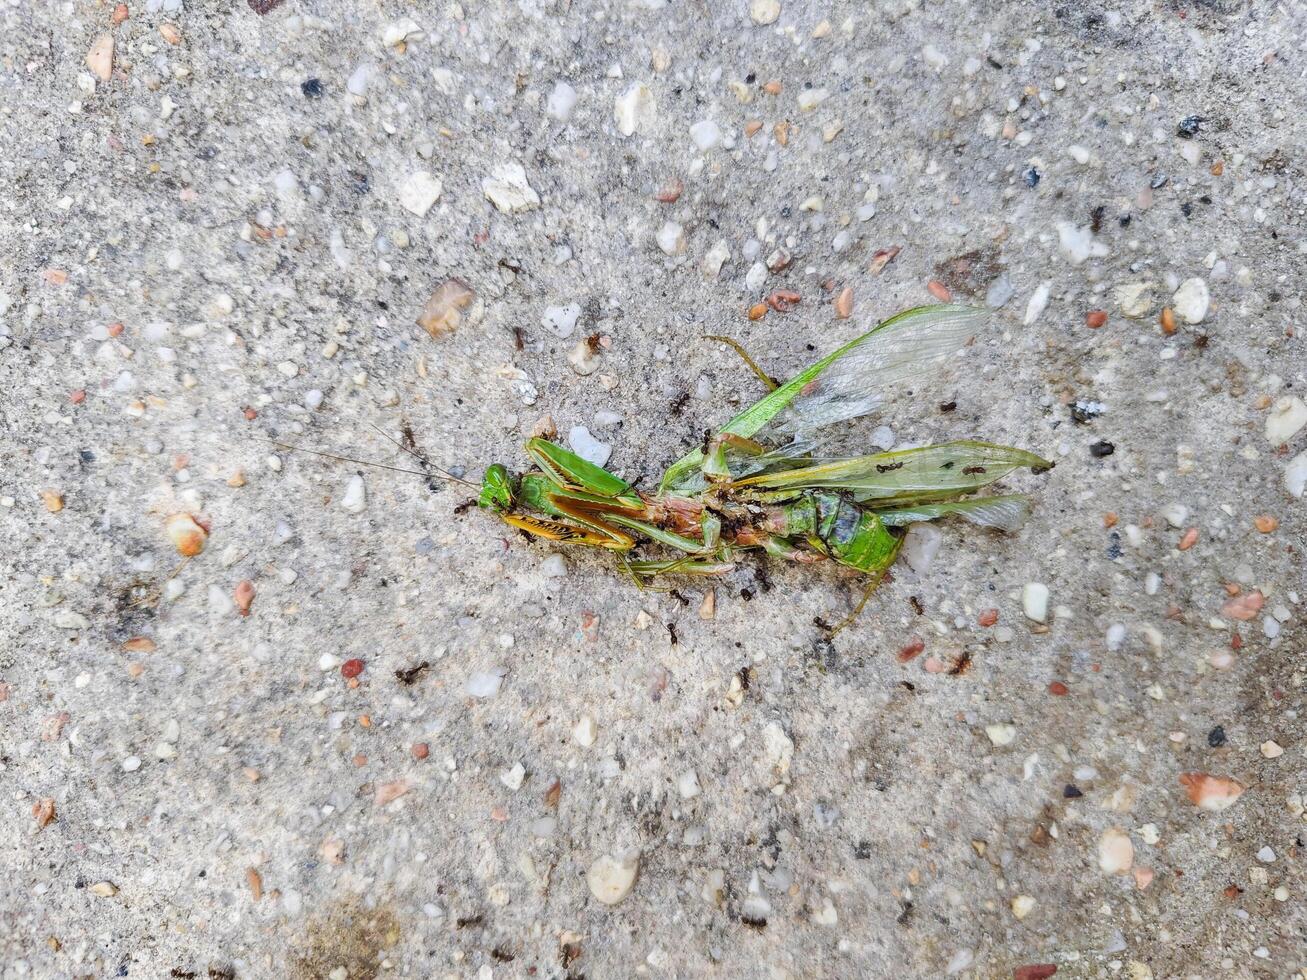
(212, 240)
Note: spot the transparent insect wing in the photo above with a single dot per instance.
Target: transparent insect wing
(901, 352)
(793, 454)
(947, 469)
(1007, 513)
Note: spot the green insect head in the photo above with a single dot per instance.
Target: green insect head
(496, 489)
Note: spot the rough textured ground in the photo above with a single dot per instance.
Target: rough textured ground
(205, 251)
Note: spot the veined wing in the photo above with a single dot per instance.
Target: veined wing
(854, 379)
(901, 351)
(907, 475)
(1005, 513)
(792, 455)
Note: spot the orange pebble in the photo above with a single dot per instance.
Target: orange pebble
(939, 290)
(1266, 523)
(914, 647)
(187, 534)
(1189, 540)
(244, 596)
(1095, 319)
(844, 303)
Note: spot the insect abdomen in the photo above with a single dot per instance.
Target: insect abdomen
(851, 535)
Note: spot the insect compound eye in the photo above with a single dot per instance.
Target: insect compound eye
(496, 488)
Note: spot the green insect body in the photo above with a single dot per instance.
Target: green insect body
(833, 525)
(734, 494)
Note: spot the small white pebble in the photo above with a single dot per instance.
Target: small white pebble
(671, 238)
(131, 763)
(508, 190)
(1078, 243)
(610, 880)
(635, 109)
(1001, 734)
(1116, 854)
(920, 546)
(1175, 514)
(1191, 300)
(1034, 601)
(220, 602)
(764, 12)
(587, 446)
(561, 320)
(810, 98)
(706, 134)
(1286, 419)
(1037, 304)
(561, 101)
(714, 259)
(1295, 475)
(485, 683)
(935, 59)
(585, 731)
(959, 961)
(419, 193)
(512, 778)
(355, 499)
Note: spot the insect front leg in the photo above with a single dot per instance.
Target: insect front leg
(552, 530)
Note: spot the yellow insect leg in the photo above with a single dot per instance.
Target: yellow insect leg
(569, 533)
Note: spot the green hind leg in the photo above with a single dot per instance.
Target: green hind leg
(641, 571)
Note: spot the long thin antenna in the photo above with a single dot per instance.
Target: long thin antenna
(399, 445)
(352, 459)
(420, 457)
